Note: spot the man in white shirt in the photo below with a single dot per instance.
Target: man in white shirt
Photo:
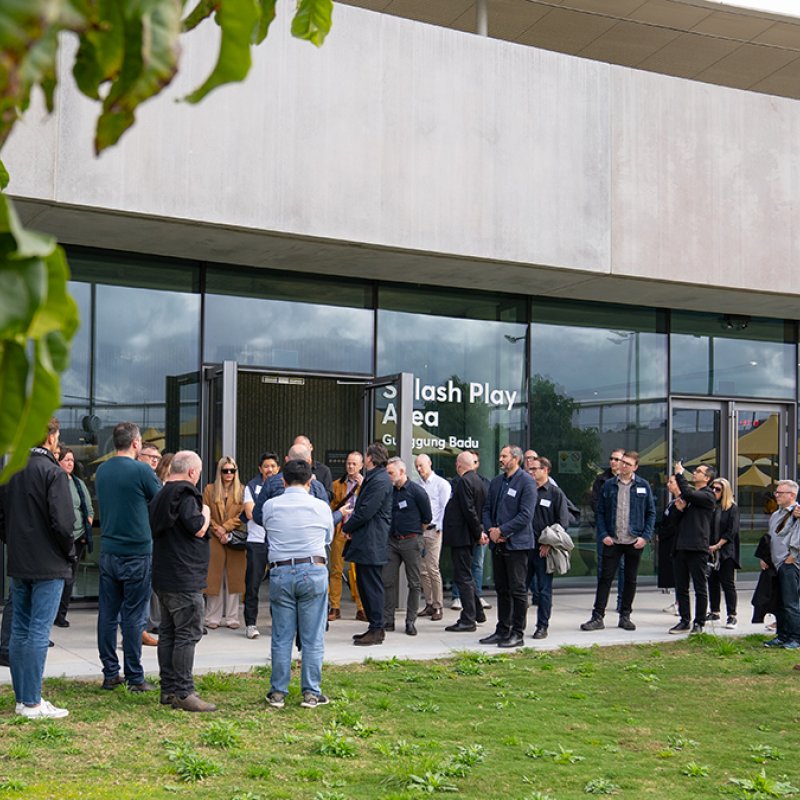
(298, 527)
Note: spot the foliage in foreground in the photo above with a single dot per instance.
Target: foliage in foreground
(564, 725)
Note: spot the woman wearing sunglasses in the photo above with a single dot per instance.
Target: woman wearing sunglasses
(723, 553)
(226, 567)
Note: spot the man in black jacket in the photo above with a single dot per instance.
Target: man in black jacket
(368, 545)
(179, 521)
(462, 530)
(36, 522)
(690, 555)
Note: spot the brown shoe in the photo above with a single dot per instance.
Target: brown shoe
(192, 702)
(334, 614)
(427, 611)
(149, 640)
(361, 616)
(372, 637)
(436, 615)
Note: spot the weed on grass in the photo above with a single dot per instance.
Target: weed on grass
(396, 732)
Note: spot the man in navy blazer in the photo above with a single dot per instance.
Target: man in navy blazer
(507, 518)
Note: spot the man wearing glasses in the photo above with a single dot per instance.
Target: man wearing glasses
(151, 455)
(611, 471)
(690, 557)
(626, 515)
(784, 543)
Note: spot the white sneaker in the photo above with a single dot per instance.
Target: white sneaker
(484, 604)
(252, 632)
(18, 708)
(44, 710)
(731, 623)
(672, 608)
(456, 605)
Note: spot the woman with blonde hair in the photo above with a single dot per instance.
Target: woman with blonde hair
(723, 553)
(226, 567)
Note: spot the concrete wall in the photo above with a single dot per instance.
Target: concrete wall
(416, 139)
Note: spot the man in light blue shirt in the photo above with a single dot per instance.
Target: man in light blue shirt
(298, 527)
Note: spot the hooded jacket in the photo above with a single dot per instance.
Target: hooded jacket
(36, 520)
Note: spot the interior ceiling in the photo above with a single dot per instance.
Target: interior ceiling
(694, 39)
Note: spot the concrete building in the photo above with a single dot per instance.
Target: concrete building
(577, 232)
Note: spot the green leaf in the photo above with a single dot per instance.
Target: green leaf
(267, 16)
(151, 33)
(312, 20)
(4, 177)
(237, 19)
(203, 10)
(102, 48)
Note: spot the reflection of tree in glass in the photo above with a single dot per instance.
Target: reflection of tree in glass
(552, 430)
(463, 420)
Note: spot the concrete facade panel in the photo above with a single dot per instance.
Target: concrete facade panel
(715, 202)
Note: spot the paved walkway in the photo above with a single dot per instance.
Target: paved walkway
(75, 653)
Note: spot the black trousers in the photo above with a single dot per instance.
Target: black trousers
(462, 577)
(253, 577)
(724, 578)
(510, 573)
(369, 579)
(691, 564)
(180, 630)
(613, 556)
(66, 595)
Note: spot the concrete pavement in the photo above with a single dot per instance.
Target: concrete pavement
(75, 653)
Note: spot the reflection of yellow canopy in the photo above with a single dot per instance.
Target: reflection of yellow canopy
(758, 443)
(654, 456)
(754, 477)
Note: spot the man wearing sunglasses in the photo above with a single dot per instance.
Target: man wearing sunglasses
(690, 558)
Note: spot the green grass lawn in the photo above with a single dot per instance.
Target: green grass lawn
(699, 718)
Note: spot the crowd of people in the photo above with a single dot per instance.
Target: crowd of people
(176, 560)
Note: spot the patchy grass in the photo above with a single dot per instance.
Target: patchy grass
(684, 720)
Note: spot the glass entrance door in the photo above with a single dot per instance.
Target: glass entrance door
(388, 414)
(750, 444)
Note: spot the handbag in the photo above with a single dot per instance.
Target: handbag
(237, 539)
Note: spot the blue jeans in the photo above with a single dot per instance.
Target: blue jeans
(35, 605)
(298, 597)
(124, 600)
(787, 615)
(478, 553)
(544, 581)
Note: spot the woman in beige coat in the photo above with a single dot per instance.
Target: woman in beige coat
(226, 567)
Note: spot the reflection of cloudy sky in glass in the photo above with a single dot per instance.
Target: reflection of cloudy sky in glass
(278, 333)
(593, 364)
(741, 368)
(436, 348)
(75, 381)
(143, 335)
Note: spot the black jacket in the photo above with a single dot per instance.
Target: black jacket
(36, 520)
(372, 517)
(462, 514)
(694, 531)
(726, 526)
(180, 558)
(766, 595)
(597, 487)
(323, 475)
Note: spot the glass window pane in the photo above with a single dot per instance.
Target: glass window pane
(318, 332)
(732, 356)
(597, 353)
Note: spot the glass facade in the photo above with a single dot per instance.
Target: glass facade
(571, 379)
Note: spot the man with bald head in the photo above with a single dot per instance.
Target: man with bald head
(320, 470)
(179, 521)
(438, 491)
(462, 530)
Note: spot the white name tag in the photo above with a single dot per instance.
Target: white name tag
(512, 492)
(544, 503)
(402, 504)
(641, 490)
(257, 490)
